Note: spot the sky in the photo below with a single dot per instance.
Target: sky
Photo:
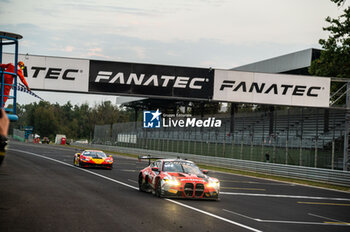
(196, 33)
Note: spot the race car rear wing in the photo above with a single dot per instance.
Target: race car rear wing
(149, 158)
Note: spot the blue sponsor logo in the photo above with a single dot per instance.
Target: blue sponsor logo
(151, 119)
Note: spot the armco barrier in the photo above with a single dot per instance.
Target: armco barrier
(299, 172)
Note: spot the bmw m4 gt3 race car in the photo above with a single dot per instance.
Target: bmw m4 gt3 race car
(93, 158)
(177, 178)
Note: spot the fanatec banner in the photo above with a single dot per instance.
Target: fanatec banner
(150, 80)
(159, 81)
(263, 88)
(54, 73)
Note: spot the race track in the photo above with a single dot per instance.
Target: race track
(41, 190)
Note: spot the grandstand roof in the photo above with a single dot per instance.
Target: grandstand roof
(292, 63)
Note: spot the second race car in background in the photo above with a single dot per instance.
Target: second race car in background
(93, 158)
(178, 178)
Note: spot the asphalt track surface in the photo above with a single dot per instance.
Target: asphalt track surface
(40, 190)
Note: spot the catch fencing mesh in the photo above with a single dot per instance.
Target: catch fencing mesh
(296, 136)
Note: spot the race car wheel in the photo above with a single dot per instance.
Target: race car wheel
(159, 192)
(141, 184)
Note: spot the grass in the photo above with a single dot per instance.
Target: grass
(278, 178)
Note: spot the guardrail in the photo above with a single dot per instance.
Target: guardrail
(300, 172)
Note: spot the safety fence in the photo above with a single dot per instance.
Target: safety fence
(291, 171)
(299, 136)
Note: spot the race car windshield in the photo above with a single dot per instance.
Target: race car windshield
(172, 167)
(95, 154)
(191, 168)
(185, 167)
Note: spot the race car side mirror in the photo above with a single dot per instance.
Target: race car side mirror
(205, 171)
(78, 154)
(155, 169)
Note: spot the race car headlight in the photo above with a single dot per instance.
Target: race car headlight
(84, 158)
(213, 184)
(109, 161)
(171, 182)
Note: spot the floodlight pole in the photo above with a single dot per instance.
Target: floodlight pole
(346, 130)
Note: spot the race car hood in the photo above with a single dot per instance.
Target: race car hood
(103, 158)
(99, 160)
(188, 177)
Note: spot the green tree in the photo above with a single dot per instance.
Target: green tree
(76, 122)
(335, 56)
(205, 108)
(44, 120)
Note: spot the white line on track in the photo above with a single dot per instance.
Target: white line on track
(289, 222)
(127, 170)
(330, 219)
(305, 223)
(255, 182)
(133, 187)
(285, 196)
(212, 215)
(69, 165)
